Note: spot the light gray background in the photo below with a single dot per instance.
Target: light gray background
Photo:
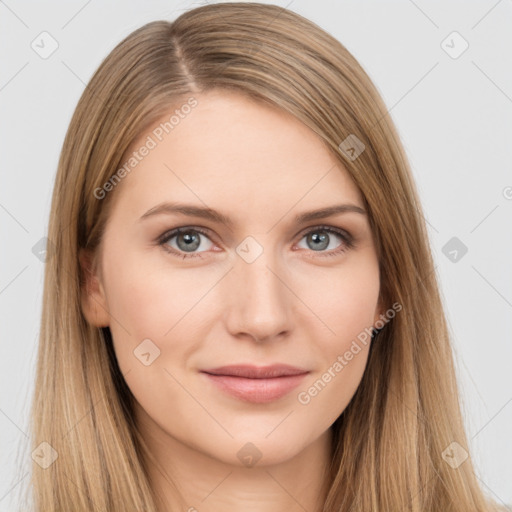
(455, 119)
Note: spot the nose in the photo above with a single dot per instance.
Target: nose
(261, 303)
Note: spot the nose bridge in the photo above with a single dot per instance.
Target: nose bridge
(260, 300)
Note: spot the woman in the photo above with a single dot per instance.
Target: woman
(242, 309)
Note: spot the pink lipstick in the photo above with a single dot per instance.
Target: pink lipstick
(256, 384)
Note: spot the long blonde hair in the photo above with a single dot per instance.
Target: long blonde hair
(389, 441)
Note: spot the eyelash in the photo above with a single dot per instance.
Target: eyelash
(348, 241)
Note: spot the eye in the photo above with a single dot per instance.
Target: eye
(320, 237)
(186, 241)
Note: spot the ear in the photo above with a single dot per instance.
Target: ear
(93, 300)
(379, 311)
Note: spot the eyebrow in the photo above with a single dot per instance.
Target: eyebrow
(215, 216)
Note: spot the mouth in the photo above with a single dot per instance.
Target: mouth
(256, 384)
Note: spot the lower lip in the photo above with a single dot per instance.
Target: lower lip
(257, 391)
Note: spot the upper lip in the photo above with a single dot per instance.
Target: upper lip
(257, 372)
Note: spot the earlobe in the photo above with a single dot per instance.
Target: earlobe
(93, 300)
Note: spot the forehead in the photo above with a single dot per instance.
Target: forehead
(229, 150)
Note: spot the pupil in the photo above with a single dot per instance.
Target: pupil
(191, 240)
(320, 239)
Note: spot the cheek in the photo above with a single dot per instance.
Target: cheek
(151, 298)
(345, 299)
(146, 295)
(347, 307)
(144, 302)
(149, 302)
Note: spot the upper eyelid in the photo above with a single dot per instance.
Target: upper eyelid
(171, 233)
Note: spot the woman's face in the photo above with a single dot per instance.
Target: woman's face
(265, 288)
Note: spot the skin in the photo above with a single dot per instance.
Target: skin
(293, 304)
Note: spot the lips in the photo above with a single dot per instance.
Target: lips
(256, 384)
(257, 372)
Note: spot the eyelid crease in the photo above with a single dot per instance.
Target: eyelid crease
(349, 241)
